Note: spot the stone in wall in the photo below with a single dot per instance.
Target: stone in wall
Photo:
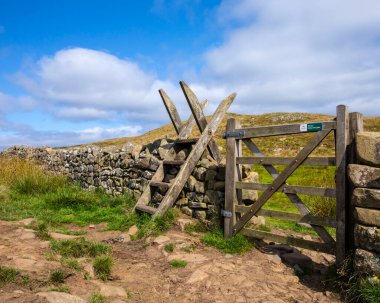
(368, 147)
(250, 196)
(366, 216)
(364, 176)
(367, 198)
(367, 237)
(367, 263)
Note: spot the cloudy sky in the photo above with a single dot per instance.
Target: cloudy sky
(80, 71)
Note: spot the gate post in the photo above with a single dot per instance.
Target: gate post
(356, 125)
(342, 200)
(230, 191)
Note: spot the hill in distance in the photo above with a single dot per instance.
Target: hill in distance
(275, 146)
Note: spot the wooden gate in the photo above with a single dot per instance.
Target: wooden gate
(237, 215)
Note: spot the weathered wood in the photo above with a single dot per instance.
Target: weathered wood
(147, 193)
(172, 111)
(296, 200)
(230, 193)
(173, 162)
(315, 161)
(290, 189)
(322, 247)
(297, 161)
(161, 185)
(279, 130)
(186, 141)
(146, 208)
(194, 156)
(309, 218)
(200, 119)
(342, 201)
(355, 126)
(189, 125)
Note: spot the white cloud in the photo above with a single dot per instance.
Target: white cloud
(299, 55)
(80, 114)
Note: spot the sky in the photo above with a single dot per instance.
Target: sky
(75, 72)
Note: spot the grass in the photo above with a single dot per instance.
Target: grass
(96, 298)
(177, 263)
(42, 231)
(8, 275)
(79, 248)
(102, 267)
(236, 245)
(169, 248)
(58, 276)
(71, 263)
(197, 227)
(61, 288)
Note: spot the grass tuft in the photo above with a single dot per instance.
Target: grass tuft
(71, 263)
(96, 298)
(102, 267)
(8, 275)
(169, 247)
(177, 263)
(79, 248)
(58, 276)
(236, 245)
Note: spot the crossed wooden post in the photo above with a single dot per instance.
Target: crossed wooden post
(197, 146)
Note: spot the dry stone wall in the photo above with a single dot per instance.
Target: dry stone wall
(365, 178)
(129, 169)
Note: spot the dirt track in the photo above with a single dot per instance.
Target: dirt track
(143, 273)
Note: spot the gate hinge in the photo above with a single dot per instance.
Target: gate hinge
(233, 134)
(226, 213)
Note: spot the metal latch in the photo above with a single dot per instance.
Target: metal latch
(233, 134)
(226, 213)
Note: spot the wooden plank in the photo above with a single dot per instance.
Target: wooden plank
(315, 161)
(146, 208)
(230, 193)
(258, 234)
(279, 130)
(296, 200)
(173, 162)
(147, 193)
(172, 111)
(189, 125)
(194, 156)
(162, 185)
(200, 119)
(297, 161)
(291, 189)
(309, 218)
(356, 125)
(187, 141)
(342, 201)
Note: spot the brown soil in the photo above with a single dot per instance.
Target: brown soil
(142, 271)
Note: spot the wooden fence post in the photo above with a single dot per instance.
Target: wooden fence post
(342, 201)
(230, 191)
(356, 125)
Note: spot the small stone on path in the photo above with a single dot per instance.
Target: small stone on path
(161, 240)
(133, 230)
(197, 276)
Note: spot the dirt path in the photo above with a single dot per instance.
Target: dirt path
(142, 272)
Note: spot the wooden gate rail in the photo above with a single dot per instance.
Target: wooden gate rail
(237, 215)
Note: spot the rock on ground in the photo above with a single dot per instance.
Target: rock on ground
(367, 263)
(60, 297)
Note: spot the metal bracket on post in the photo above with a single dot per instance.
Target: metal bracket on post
(233, 134)
(225, 213)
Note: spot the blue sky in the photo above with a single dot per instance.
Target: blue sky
(79, 71)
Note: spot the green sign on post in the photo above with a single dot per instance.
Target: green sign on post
(311, 127)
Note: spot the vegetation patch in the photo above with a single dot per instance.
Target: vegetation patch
(79, 248)
(58, 276)
(197, 227)
(169, 248)
(71, 263)
(97, 298)
(236, 245)
(177, 263)
(102, 267)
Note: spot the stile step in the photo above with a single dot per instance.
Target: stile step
(162, 185)
(173, 162)
(147, 209)
(186, 141)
